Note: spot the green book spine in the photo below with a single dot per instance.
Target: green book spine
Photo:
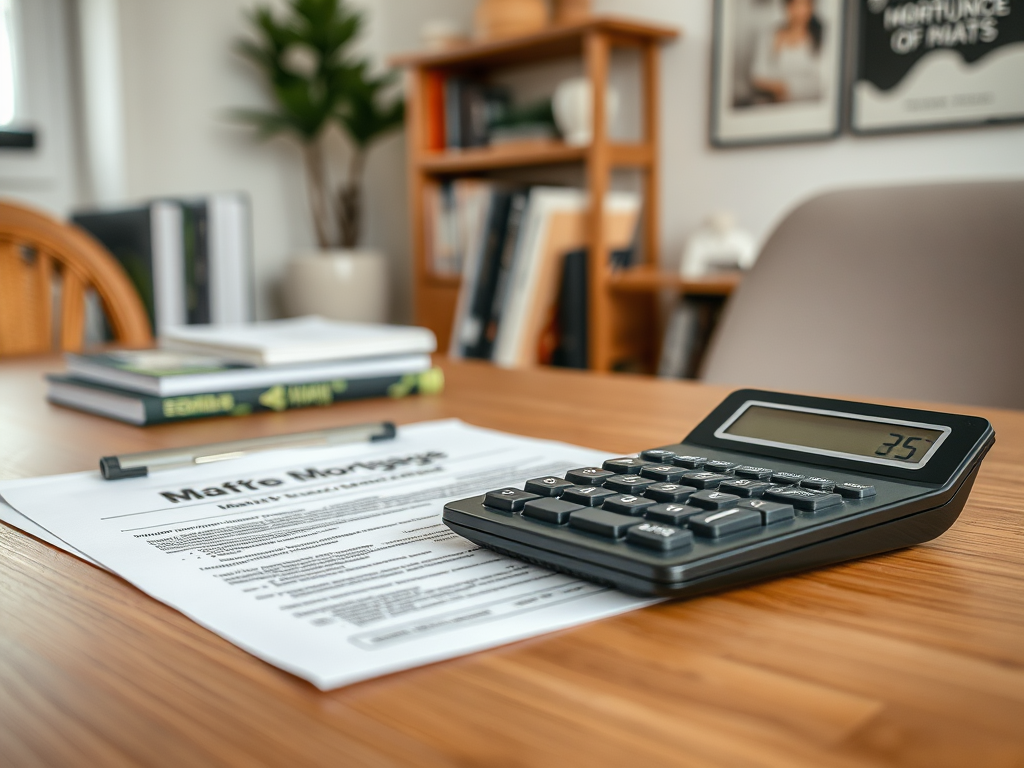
(283, 397)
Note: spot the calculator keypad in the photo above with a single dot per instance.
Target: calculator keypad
(628, 483)
(712, 499)
(587, 476)
(803, 498)
(704, 480)
(586, 495)
(663, 502)
(662, 538)
(745, 487)
(627, 504)
(547, 486)
(666, 492)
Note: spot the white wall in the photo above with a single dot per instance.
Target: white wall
(760, 184)
(181, 79)
(46, 176)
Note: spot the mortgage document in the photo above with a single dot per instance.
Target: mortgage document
(332, 563)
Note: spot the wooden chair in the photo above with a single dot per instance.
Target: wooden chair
(37, 250)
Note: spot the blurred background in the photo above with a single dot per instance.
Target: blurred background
(134, 100)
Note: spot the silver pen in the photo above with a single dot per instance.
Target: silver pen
(141, 464)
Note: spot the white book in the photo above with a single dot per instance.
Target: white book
(166, 224)
(299, 340)
(229, 249)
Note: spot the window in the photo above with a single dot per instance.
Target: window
(8, 100)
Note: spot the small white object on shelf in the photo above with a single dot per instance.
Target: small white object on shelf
(718, 245)
(573, 105)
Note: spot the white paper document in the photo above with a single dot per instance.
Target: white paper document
(332, 563)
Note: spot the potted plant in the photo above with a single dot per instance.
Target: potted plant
(317, 84)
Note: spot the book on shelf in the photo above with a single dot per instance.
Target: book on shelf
(688, 336)
(189, 259)
(569, 336)
(508, 301)
(142, 409)
(455, 213)
(148, 241)
(165, 373)
(470, 109)
(299, 340)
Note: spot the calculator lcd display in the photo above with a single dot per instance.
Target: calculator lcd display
(877, 440)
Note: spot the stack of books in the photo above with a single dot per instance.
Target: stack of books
(235, 370)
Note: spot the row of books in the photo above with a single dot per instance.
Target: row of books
(235, 370)
(462, 113)
(512, 244)
(189, 259)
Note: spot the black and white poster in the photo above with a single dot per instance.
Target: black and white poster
(777, 66)
(937, 63)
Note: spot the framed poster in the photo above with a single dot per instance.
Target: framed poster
(938, 63)
(777, 71)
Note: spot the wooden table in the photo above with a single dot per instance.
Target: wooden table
(915, 658)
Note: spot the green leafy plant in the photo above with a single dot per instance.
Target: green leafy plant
(316, 83)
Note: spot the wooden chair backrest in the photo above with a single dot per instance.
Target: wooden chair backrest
(36, 250)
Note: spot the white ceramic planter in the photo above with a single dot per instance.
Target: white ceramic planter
(339, 284)
(573, 105)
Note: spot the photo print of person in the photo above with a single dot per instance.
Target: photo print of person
(776, 71)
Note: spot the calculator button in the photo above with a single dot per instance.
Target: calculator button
(726, 521)
(624, 466)
(658, 455)
(603, 523)
(803, 498)
(547, 486)
(662, 473)
(818, 483)
(663, 538)
(756, 473)
(787, 478)
(587, 476)
(744, 486)
(668, 492)
(855, 490)
(550, 510)
(712, 499)
(724, 467)
(689, 462)
(587, 495)
(508, 499)
(770, 511)
(704, 479)
(627, 504)
(673, 514)
(627, 483)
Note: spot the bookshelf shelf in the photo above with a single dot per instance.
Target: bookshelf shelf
(556, 42)
(443, 281)
(622, 320)
(645, 279)
(526, 155)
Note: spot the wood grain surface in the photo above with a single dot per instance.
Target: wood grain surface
(914, 658)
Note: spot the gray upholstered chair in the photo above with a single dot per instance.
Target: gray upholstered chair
(899, 292)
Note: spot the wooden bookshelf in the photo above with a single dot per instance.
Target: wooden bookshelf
(647, 279)
(622, 315)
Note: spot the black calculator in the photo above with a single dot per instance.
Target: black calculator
(768, 484)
